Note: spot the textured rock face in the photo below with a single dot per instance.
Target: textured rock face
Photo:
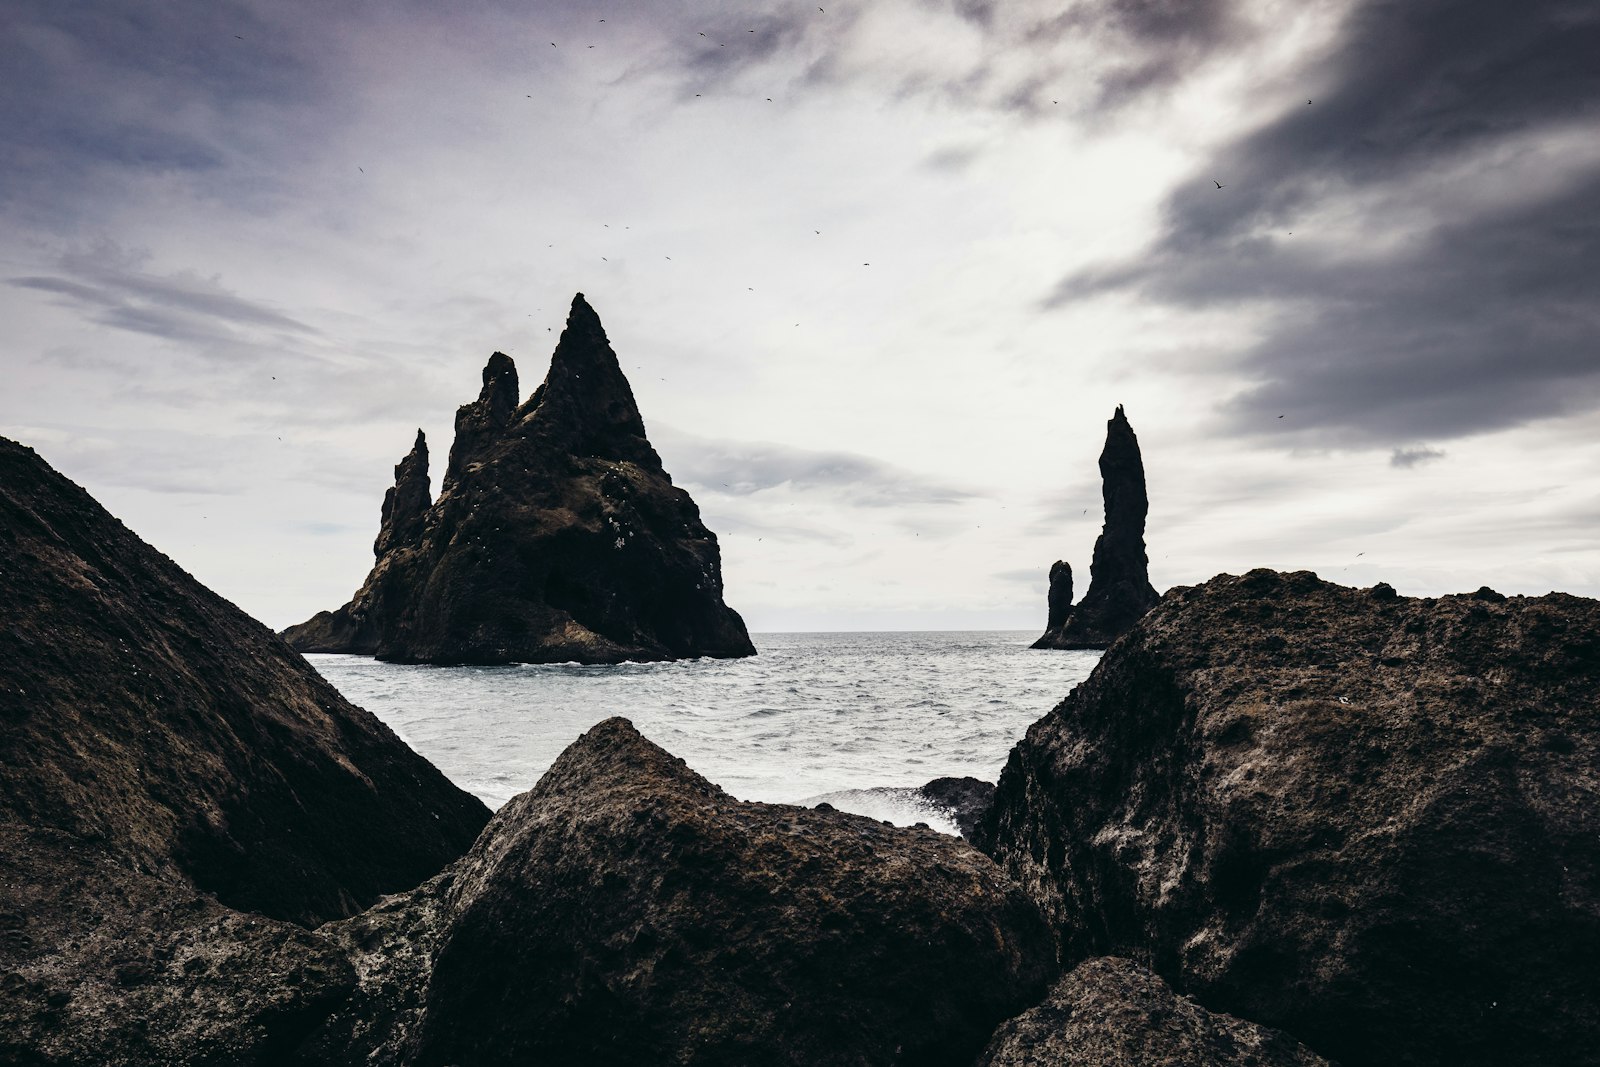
(556, 536)
(1370, 820)
(627, 911)
(140, 709)
(103, 964)
(1119, 575)
(1111, 1012)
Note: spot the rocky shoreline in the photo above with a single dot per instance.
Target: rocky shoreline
(1284, 822)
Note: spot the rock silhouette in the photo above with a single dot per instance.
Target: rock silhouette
(1366, 819)
(161, 752)
(1111, 1012)
(1119, 575)
(556, 536)
(627, 911)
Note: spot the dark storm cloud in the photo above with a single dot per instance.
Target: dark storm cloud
(1487, 314)
(741, 468)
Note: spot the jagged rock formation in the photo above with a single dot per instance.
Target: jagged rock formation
(556, 536)
(627, 911)
(1111, 1012)
(1119, 575)
(160, 751)
(1370, 820)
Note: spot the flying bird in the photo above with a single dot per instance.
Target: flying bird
(1216, 183)
(1280, 416)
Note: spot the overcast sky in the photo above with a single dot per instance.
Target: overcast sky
(883, 267)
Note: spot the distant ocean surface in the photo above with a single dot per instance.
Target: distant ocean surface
(848, 717)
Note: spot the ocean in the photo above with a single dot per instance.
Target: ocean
(857, 719)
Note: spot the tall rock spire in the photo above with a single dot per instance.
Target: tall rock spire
(1119, 575)
(556, 535)
(407, 501)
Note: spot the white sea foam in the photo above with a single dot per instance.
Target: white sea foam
(812, 715)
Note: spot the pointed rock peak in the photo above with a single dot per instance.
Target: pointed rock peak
(583, 348)
(499, 396)
(585, 401)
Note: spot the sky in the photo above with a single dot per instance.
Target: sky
(879, 272)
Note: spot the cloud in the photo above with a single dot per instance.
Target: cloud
(182, 306)
(1026, 57)
(745, 468)
(1406, 458)
(1417, 240)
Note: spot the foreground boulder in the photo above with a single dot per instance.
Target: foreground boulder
(1370, 820)
(1119, 574)
(1111, 1012)
(161, 752)
(557, 535)
(140, 709)
(627, 911)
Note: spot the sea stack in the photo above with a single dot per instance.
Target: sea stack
(557, 535)
(1119, 575)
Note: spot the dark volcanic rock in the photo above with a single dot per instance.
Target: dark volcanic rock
(556, 536)
(139, 709)
(627, 911)
(1119, 575)
(966, 799)
(1370, 820)
(103, 964)
(1111, 1012)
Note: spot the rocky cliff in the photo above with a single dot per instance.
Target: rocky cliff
(557, 535)
(1119, 574)
(160, 752)
(1370, 820)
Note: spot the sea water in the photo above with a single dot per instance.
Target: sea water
(857, 719)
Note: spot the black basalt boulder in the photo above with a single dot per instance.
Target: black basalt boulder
(627, 911)
(1369, 820)
(556, 536)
